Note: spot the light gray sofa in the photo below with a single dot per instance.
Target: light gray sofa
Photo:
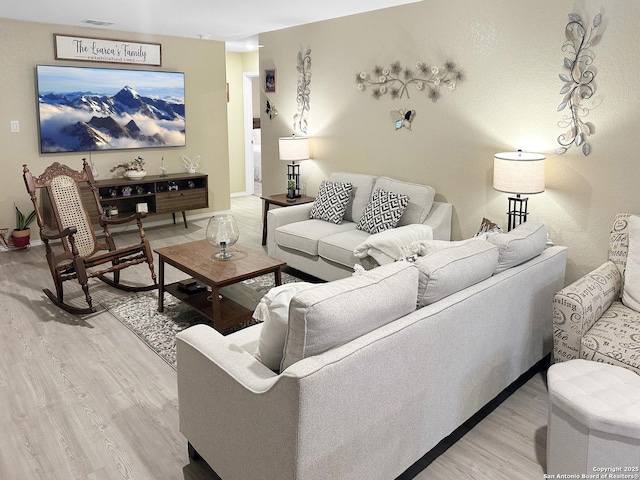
(325, 250)
(401, 380)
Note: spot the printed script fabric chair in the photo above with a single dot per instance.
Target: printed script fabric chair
(590, 320)
(81, 251)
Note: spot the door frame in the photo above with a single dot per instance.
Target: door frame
(247, 98)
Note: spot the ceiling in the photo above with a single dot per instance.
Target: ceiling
(237, 23)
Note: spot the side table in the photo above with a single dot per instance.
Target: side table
(282, 201)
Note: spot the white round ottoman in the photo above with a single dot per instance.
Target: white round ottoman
(594, 420)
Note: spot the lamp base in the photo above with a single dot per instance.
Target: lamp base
(517, 213)
(293, 182)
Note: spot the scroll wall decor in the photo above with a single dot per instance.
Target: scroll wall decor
(395, 80)
(303, 92)
(579, 85)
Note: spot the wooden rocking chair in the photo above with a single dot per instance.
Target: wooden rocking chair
(82, 250)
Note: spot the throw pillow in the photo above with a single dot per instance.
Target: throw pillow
(631, 287)
(273, 310)
(451, 269)
(335, 313)
(519, 245)
(383, 211)
(331, 201)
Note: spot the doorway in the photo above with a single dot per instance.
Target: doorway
(252, 133)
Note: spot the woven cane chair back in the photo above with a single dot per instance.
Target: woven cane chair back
(66, 199)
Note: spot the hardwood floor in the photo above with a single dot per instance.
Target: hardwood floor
(84, 398)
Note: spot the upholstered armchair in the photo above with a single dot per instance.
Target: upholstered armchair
(590, 320)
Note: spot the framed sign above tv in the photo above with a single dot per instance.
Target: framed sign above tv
(87, 49)
(85, 108)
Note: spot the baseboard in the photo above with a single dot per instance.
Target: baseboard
(460, 432)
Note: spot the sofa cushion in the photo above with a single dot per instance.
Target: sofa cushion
(339, 247)
(334, 313)
(304, 236)
(331, 201)
(519, 245)
(631, 286)
(360, 193)
(383, 211)
(420, 198)
(394, 244)
(273, 311)
(451, 269)
(604, 342)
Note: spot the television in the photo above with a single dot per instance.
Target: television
(85, 108)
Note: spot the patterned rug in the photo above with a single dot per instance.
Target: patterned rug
(139, 313)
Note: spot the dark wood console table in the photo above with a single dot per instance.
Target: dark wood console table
(155, 194)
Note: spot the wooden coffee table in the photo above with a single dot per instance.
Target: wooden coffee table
(196, 259)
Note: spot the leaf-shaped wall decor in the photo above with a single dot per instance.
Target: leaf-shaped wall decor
(579, 84)
(303, 94)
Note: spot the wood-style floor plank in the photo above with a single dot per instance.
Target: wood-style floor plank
(83, 398)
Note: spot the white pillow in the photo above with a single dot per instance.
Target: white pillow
(519, 245)
(446, 271)
(337, 312)
(273, 310)
(631, 289)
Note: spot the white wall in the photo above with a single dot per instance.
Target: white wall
(511, 55)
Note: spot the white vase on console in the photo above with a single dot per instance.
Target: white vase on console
(135, 174)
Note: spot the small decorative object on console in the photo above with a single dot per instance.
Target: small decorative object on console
(191, 164)
(133, 170)
(172, 186)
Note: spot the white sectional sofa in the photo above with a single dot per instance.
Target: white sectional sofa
(325, 250)
(369, 379)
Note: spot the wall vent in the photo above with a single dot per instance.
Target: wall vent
(100, 23)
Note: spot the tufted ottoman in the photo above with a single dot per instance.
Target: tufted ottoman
(594, 420)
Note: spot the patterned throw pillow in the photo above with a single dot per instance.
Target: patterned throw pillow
(383, 211)
(331, 201)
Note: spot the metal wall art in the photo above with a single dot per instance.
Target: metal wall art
(579, 84)
(403, 118)
(303, 92)
(270, 110)
(396, 79)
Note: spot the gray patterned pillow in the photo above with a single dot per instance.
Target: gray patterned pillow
(383, 211)
(331, 201)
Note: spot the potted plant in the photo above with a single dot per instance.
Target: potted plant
(22, 233)
(133, 169)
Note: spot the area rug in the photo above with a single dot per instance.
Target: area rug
(139, 313)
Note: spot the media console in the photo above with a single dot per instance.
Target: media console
(154, 194)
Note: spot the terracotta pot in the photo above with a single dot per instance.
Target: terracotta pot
(21, 238)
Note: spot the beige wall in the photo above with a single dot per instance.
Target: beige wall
(24, 45)
(511, 55)
(237, 65)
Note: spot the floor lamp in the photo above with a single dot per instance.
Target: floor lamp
(520, 173)
(292, 149)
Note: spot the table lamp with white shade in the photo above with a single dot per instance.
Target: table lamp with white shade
(292, 149)
(520, 173)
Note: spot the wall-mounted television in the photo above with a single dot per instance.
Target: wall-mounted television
(84, 108)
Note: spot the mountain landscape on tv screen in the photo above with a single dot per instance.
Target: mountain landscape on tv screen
(83, 121)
